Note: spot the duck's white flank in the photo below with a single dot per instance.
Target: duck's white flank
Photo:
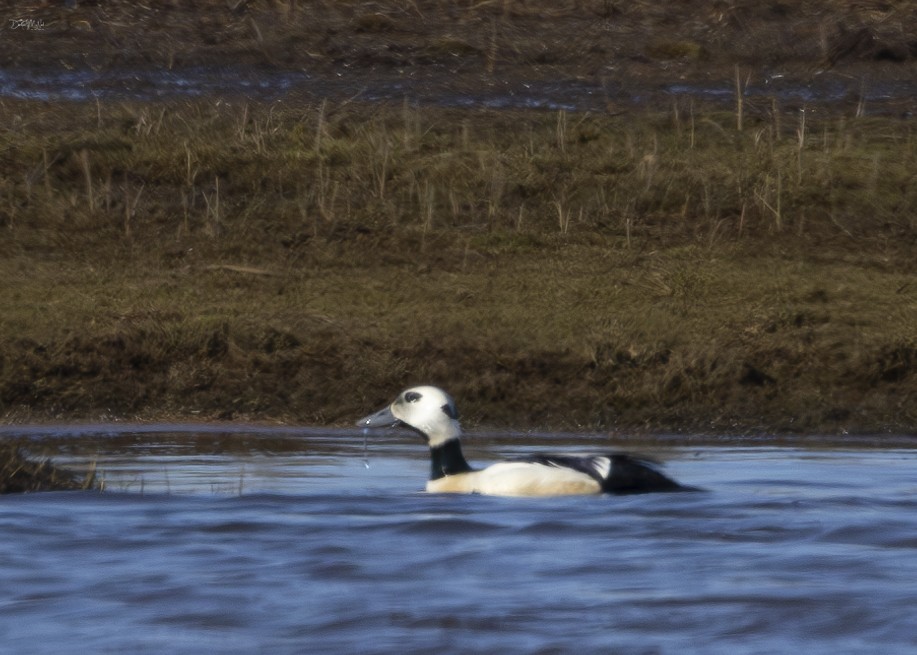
(431, 412)
(518, 479)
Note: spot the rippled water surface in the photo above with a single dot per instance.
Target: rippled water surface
(250, 540)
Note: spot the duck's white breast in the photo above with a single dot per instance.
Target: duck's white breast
(518, 479)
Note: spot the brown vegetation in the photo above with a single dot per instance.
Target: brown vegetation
(301, 263)
(682, 267)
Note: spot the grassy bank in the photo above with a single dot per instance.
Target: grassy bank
(303, 263)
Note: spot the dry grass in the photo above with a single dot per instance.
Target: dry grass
(302, 263)
(324, 172)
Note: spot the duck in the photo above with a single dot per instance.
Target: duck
(431, 412)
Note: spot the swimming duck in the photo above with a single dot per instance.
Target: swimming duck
(431, 412)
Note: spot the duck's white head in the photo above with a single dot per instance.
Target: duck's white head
(427, 410)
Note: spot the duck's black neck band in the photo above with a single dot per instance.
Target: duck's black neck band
(447, 459)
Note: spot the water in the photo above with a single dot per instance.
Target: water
(887, 97)
(280, 540)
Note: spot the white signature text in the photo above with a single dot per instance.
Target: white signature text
(26, 24)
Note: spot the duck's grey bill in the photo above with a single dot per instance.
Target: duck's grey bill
(381, 419)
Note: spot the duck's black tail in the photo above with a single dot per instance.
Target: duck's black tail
(617, 473)
(635, 475)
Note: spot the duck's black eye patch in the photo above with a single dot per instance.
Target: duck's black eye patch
(450, 411)
(412, 396)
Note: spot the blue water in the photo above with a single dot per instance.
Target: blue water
(267, 540)
(147, 84)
